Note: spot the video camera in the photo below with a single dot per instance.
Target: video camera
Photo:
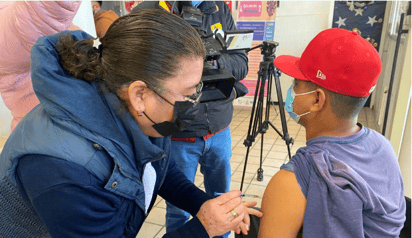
(217, 83)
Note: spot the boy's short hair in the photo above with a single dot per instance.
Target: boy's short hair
(344, 107)
(337, 60)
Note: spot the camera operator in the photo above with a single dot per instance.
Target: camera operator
(208, 140)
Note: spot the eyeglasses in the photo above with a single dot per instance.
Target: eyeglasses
(194, 98)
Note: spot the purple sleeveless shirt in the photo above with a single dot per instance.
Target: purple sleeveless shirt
(352, 184)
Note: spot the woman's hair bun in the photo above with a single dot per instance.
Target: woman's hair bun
(80, 58)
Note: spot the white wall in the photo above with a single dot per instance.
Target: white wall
(400, 103)
(405, 155)
(84, 18)
(298, 22)
(387, 51)
(399, 129)
(5, 119)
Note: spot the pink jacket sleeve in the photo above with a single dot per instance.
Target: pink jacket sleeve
(21, 24)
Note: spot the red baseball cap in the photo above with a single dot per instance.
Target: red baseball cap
(338, 60)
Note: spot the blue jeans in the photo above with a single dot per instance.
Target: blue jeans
(213, 155)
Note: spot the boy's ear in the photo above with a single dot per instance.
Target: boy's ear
(320, 100)
(137, 92)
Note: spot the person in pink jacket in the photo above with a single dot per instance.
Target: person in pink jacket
(21, 24)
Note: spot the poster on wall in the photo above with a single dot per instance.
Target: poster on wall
(258, 16)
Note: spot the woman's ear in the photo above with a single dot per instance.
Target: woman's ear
(320, 100)
(136, 92)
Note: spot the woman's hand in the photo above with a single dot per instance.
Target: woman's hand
(245, 224)
(222, 214)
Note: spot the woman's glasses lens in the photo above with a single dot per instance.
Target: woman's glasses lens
(194, 98)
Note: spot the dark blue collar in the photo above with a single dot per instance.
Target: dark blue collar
(208, 7)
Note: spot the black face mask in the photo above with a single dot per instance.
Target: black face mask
(184, 114)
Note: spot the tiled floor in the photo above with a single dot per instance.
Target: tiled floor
(274, 155)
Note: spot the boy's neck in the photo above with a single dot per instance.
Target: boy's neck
(332, 127)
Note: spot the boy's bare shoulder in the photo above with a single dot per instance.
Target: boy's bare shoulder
(283, 206)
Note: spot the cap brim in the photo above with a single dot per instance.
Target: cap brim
(290, 65)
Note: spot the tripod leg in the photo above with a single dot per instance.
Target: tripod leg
(244, 168)
(289, 151)
(260, 170)
(256, 130)
(265, 123)
(286, 136)
(255, 119)
(266, 72)
(262, 126)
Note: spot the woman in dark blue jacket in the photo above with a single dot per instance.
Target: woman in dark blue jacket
(90, 160)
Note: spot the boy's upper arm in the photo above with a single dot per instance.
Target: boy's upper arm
(283, 207)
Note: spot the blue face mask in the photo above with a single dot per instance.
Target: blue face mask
(290, 97)
(196, 3)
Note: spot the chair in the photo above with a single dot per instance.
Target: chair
(254, 228)
(406, 230)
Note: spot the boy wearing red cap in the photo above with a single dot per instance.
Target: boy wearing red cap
(346, 182)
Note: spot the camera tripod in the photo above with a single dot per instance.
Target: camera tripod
(266, 72)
